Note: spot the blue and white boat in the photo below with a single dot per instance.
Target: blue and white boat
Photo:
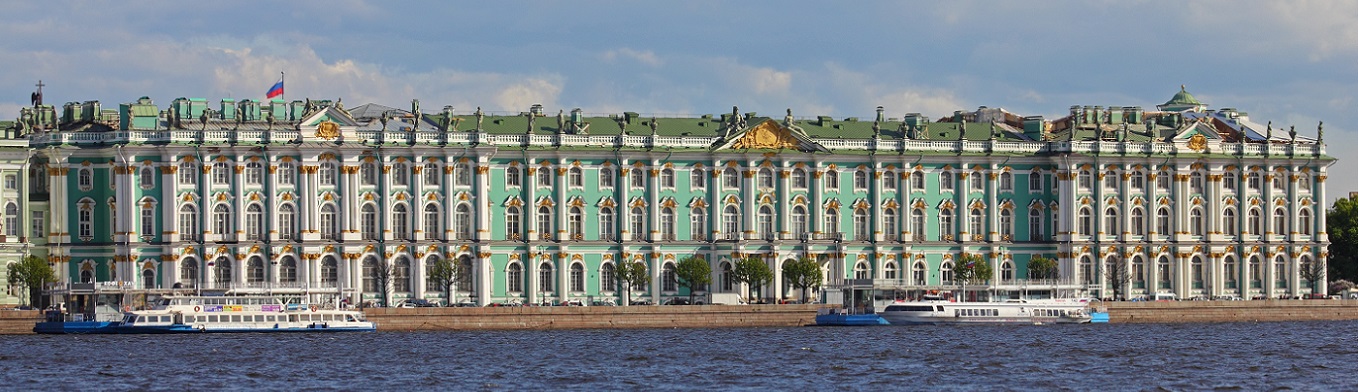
(224, 314)
(936, 310)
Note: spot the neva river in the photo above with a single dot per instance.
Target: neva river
(1231, 356)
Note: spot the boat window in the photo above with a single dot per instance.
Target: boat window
(235, 318)
(939, 308)
(909, 308)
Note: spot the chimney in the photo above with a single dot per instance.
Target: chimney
(881, 114)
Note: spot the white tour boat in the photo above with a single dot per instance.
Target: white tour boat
(190, 314)
(935, 310)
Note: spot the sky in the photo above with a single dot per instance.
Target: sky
(1292, 63)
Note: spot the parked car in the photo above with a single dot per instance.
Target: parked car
(603, 303)
(641, 302)
(574, 302)
(416, 303)
(677, 301)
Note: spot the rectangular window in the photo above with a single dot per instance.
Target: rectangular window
(148, 222)
(39, 229)
(697, 180)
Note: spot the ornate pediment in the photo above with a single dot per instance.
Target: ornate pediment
(770, 135)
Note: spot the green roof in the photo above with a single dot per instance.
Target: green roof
(1182, 98)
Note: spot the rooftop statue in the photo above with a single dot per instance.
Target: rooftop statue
(479, 116)
(654, 124)
(1320, 132)
(787, 120)
(560, 122)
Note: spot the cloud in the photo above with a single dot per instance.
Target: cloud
(642, 56)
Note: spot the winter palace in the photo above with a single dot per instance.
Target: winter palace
(538, 206)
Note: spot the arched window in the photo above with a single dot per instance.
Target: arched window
(148, 220)
(433, 225)
(400, 275)
(799, 178)
(668, 279)
(575, 224)
(254, 222)
(977, 222)
(728, 281)
(831, 221)
(860, 271)
(698, 224)
(545, 277)
(12, 219)
(1196, 272)
(889, 225)
(860, 180)
(766, 222)
(917, 223)
(862, 230)
(515, 278)
(431, 174)
(607, 219)
(1086, 219)
(1280, 272)
(765, 178)
(1254, 224)
(1007, 271)
(1138, 272)
(1110, 221)
(287, 269)
(254, 270)
(1195, 182)
(977, 181)
(465, 279)
(730, 219)
(1138, 221)
(1006, 182)
(462, 174)
(1228, 182)
(222, 272)
(544, 176)
(1162, 221)
(1164, 278)
(188, 223)
(513, 223)
(326, 174)
(1086, 270)
(832, 180)
(667, 178)
(730, 179)
(1253, 181)
(638, 176)
(945, 272)
(638, 224)
(368, 173)
(287, 222)
(254, 173)
(147, 177)
(576, 177)
(370, 271)
(221, 173)
(1304, 183)
(400, 222)
(1006, 224)
(514, 177)
(917, 181)
(1304, 221)
(1162, 181)
(1086, 179)
(799, 222)
(329, 270)
(577, 277)
(462, 218)
(1279, 221)
(889, 180)
(1197, 222)
(667, 223)
(1230, 272)
(945, 181)
(1256, 272)
(889, 270)
(697, 179)
(608, 278)
(400, 174)
(946, 230)
(329, 223)
(188, 173)
(918, 273)
(368, 216)
(1034, 224)
(221, 222)
(188, 273)
(545, 223)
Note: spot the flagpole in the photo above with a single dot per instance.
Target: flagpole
(281, 79)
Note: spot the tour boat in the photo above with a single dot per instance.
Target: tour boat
(935, 310)
(192, 314)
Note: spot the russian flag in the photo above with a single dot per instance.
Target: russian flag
(276, 90)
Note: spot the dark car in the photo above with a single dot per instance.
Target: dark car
(677, 301)
(417, 303)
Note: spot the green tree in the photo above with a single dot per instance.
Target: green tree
(1313, 273)
(381, 271)
(445, 274)
(803, 274)
(631, 274)
(1043, 268)
(694, 274)
(33, 273)
(1341, 223)
(753, 272)
(972, 268)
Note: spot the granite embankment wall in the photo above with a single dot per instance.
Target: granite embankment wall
(575, 317)
(1231, 311)
(18, 321)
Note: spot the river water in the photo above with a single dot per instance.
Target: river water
(1222, 356)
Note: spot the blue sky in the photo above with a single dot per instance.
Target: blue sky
(1292, 63)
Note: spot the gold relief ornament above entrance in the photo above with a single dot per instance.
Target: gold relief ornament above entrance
(771, 135)
(327, 130)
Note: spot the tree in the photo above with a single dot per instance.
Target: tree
(753, 272)
(1043, 268)
(33, 273)
(1118, 274)
(973, 268)
(445, 274)
(1313, 273)
(1341, 223)
(631, 274)
(803, 274)
(693, 273)
(381, 271)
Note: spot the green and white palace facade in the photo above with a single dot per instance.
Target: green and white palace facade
(311, 197)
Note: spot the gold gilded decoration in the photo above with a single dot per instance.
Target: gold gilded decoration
(766, 135)
(1197, 142)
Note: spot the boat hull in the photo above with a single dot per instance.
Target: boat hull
(849, 320)
(1058, 311)
(75, 327)
(182, 328)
